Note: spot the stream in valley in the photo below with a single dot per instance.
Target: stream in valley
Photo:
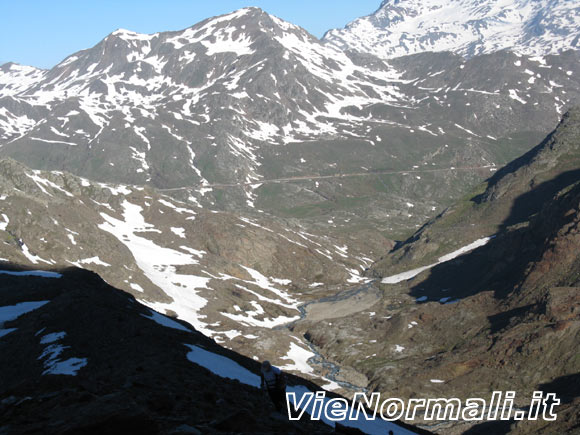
(332, 369)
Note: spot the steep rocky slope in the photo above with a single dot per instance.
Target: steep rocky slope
(510, 197)
(232, 277)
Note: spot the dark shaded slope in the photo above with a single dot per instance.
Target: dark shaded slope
(515, 323)
(137, 378)
(132, 368)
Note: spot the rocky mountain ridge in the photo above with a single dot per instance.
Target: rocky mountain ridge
(220, 111)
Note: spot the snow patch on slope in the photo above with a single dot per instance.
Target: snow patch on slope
(159, 264)
(394, 279)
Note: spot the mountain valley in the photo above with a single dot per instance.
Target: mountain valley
(393, 208)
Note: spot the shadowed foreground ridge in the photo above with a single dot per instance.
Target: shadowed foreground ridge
(136, 376)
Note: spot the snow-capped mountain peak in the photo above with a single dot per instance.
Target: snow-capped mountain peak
(214, 103)
(227, 83)
(466, 27)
